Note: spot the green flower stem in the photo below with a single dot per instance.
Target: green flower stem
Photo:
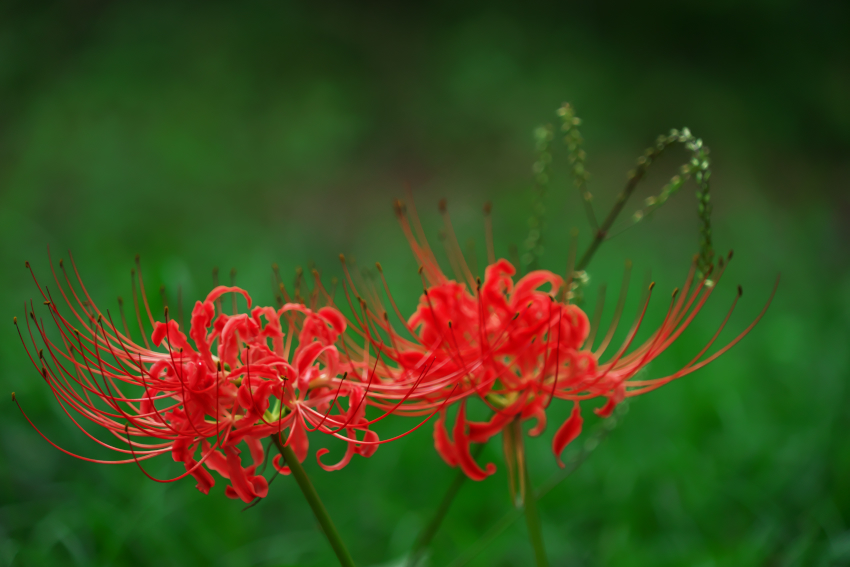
(573, 463)
(606, 225)
(532, 516)
(427, 535)
(315, 502)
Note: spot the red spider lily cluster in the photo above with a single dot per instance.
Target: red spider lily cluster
(281, 372)
(516, 347)
(241, 378)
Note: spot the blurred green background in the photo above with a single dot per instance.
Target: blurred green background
(241, 135)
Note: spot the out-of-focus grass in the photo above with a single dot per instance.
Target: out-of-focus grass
(279, 133)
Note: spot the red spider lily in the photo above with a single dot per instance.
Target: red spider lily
(241, 378)
(516, 347)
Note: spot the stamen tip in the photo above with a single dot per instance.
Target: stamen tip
(420, 270)
(166, 311)
(27, 264)
(120, 301)
(399, 207)
(442, 206)
(61, 263)
(138, 258)
(342, 258)
(675, 292)
(378, 265)
(13, 397)
(652, 285)
(731, 253)
(215, 270)
(488, 207)
(740, 291)
(15, 320)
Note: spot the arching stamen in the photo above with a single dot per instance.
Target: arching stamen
(618, 311)
(123, 318)
(136, 305)
(453, 250)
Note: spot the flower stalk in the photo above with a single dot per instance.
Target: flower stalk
(319, 510)
(423, 541)
(532, 516)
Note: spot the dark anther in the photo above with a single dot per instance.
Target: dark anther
(27, 265)
(675, 292)
(137, 258)
(15, 320)
(60, 263)
(398, 206)
(652, 285)
(442, 205)
(342, 258)
(378, 265)
(740, 291)
(488, 206)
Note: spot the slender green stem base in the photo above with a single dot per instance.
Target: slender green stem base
(425, 536)
(315, 502)
(532, 517)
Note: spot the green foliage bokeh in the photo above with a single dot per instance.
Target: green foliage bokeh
(217, 135)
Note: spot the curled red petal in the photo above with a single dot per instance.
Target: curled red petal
(464, 458)
(607, 409)
(568, 431)
(442, 443)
